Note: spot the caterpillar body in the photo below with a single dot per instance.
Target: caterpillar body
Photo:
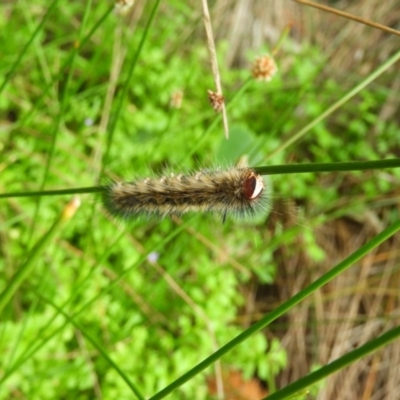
(236, 191)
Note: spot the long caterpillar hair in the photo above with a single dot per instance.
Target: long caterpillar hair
(237, 192)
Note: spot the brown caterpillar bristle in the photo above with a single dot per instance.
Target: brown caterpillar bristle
(239, 192)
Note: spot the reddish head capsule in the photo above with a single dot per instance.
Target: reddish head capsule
(253, 186)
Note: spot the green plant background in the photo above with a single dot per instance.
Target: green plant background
(98, 271)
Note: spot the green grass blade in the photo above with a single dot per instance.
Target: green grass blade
(328, 167)
(339, 103)
(126, 85)
(35, 348)
(336, 365)
(27, 45)
(282, 309)
(64, 66)
(60, 192)
(265, 170)
(35, 253)
(97, 345)
(60, 116)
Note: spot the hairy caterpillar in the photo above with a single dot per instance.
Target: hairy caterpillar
(239, 192)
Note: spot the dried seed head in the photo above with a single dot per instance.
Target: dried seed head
(123, 6)
(264, 68)
(216, 100)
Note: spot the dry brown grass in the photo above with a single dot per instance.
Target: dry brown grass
(356, 307)
(248, 24)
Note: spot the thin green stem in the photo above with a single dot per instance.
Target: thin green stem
(336, 365)
(25, 269)
(35, 348)
(60, 116)
(61, 192)
(339, 103)
(218, 118)
(96, 344)
(65, 97)
(32, 346)
(64, 67)
(14, 67)
(126, 86)
(328, 167)
(282, 309)
(265, 170)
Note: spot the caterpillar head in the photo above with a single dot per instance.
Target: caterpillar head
(253, 186)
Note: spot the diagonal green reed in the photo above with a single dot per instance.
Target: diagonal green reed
(26, 268)
(282, 309)
(60, 116)
(127, 83)
(64, 66)
(45, 338)
(96, 344)
(27, 45)
(370, 78)
(336, 365)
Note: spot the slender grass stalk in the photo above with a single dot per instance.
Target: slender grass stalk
(275, 128)
(14, 67)
(265, 170)
(370, 78)
(214, 62)
(58, 121)
(61, 192)
(349, 16)
(32, 346)
(328, 167)
(35, 253)
(127, 84)
(96, 344)
(44, 340)
(336, 365)
(26, 118)
(218, 118)
(282, 309)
